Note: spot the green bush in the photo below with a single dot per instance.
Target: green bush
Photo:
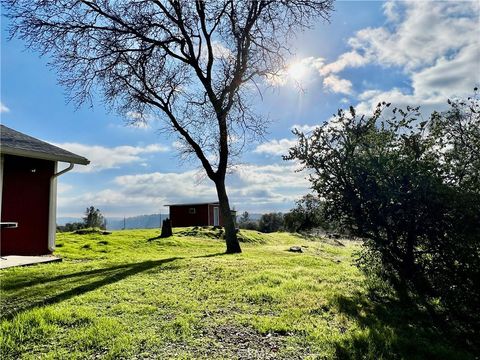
(411, 189)
(271, 222)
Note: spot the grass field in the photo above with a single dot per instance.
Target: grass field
(123, 296)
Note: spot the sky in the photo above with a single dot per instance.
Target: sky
(407, 53)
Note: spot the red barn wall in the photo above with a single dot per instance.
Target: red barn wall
(181, 217)
(210, 214)
(25, 199)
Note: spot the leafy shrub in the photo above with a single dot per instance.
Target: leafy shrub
(309, 213)
(411, 189)
(271, 222)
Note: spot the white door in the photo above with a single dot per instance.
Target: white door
(216, 216)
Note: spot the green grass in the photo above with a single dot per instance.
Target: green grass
(125, 296)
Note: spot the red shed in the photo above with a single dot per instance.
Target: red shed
(28, 191)
(197, 214)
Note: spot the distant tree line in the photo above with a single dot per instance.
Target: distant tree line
(93, 219)
(307, 214)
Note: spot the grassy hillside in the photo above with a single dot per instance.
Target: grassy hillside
(125, 296)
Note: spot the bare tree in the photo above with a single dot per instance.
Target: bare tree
(194, 63)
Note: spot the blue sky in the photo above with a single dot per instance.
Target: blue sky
(413, 53)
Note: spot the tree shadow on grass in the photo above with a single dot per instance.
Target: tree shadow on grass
(212, 255)
(43, 280)
(58, 289)
(393, 330)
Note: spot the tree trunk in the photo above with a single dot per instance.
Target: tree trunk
(166, 228)
(233, 246)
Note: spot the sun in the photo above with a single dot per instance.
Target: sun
(297, 71)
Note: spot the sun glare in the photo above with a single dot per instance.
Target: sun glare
(297, 71)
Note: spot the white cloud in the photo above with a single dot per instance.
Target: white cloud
(139, 120)
(304, 128)
(368, 94)
(434, 43)
(112, 202)
(390, 11)
(275, 175)
(305, 71)
(348, 59)
(428, 30)
(177, 187)
(450, 76)
(337, 85)
(268, 187)
(102, 157)
(220, 51)
(275, 147)
(3, 108)
(432, 86)
(63, 188)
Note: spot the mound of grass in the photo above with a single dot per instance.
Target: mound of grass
(87, 231)
(253, 237)
(216, 232)
(182, 298)
(205, 232)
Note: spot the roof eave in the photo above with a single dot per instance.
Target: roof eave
(194, 204)
(43, 156)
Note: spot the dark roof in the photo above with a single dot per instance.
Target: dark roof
(16, 143)
(194, 204)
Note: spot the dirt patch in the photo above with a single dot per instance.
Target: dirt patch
(233, 341)
(244, 343)
(230, 341)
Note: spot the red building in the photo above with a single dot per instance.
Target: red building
(28, 191)
(200, 214)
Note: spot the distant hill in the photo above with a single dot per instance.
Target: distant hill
(65, 219)
(253, 216)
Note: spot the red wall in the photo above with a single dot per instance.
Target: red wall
(25, 199)
(180, 216)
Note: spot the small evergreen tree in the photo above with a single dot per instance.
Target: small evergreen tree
(245, 222)
(94, 218)
(245, 217)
